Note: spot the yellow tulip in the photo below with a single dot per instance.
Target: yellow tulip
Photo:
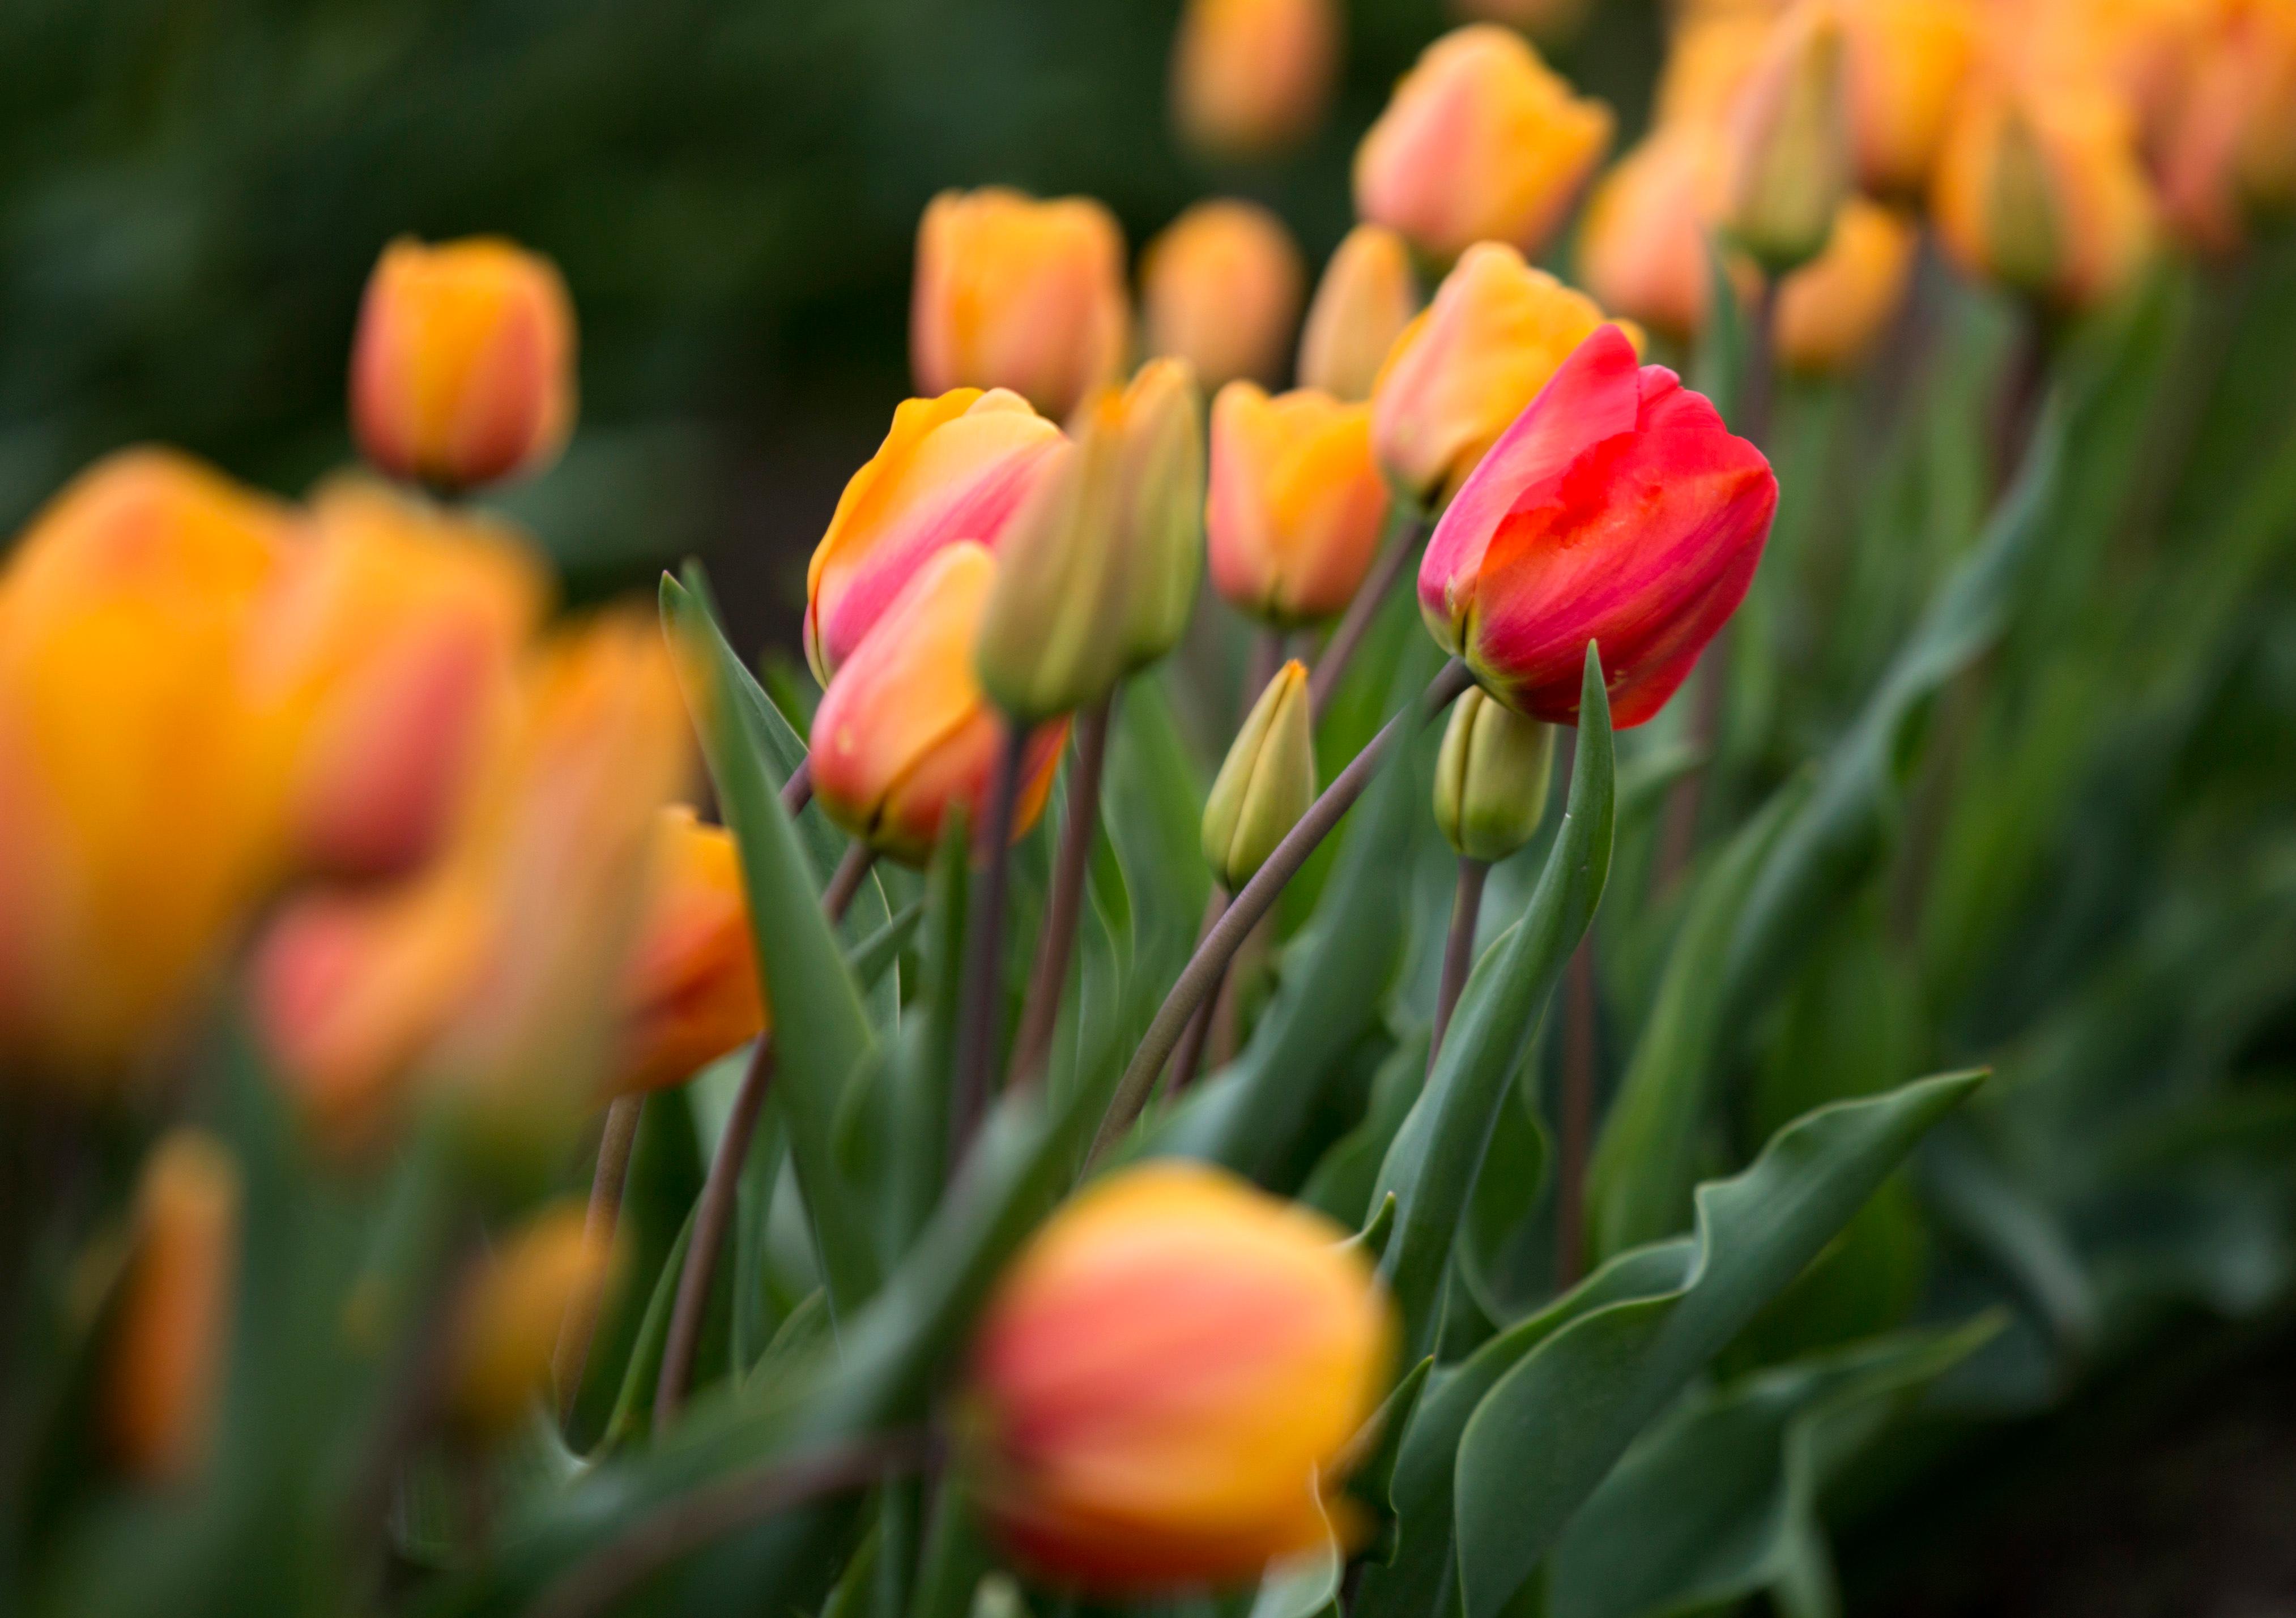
(1296, 505)
(508, 1316)
(1832, 310)
(1367, 297)
(1220, 289)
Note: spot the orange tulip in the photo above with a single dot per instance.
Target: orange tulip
(2228, 145)
(1481, 143)
(1904, 62)
(1712, 54)
(506, 1323)
(462, 368)
(1253, 76)
(690, 991)
(1296, 503)
(1832, 310)
(1220, 289)
(1167, 1381)
(1012, 293)
(1366, 298)
(1643, 245)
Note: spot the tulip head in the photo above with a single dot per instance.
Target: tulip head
(691, 990)
(1251, 77)
(1618, 510)
(506, 1322)
(1367, 296)
(1491, 778)
(1903, 64)
(1788, 143)
(1167, 1378)
(1220, 289)
(1832, 310)
(462, 367)
(2229, 140)
(1296, 503)
(1645, 241)
(955, 467)
(1265, 784)
(1481, 142)
(1012, 292)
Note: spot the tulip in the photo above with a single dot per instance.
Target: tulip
(1832, 310)
(1012, 293)
(957, 467)
(506, 1322)
(690, 990)
(904, 730)
(1168, 1377)
(2229, 142)
(1220, 289)
(1251, 77)
(1296, 503)
(463, 367)
(1616, 510)
(1713, 53)
(1903, 64)
(1788, 144)
(1265, 784)
(1467, 365)
(1481, 143)
(171, 1330)
(1366, 298)
(1491, 777)
(1646, 240)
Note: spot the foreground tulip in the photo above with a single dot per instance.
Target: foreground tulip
(1788, 143)
(1012, 293)
(1643, 244)
(1366, 298)
(1220, 289)
(507, 1320)
(1618, 510)
(1296, 505)
(1903, 64)
(1491, 778)
(1166, 1379)
(690, 991)
(957, 467)
(462, 367)
(1832, 310)
(1481, 143)
(1253, 76)
(904, 732)
(1265, 783)
(1466, 367)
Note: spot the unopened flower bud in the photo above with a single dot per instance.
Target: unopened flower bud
(512, 1308)
(1265, 784)
(1789, 144)
(1491, 778)
(1367, 296)
(1220, 289)
(1297, 503)
(1253, 76)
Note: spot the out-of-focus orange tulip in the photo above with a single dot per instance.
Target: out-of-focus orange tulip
(507, 1321)
(1296, 504)
(1367, 297)
(1253, 76)
(1481, 143)
(1832, 310)
(1714, 51)
(462, 368)
(1012, 292)
(1788, 142)
(904, 730)
(1167, 1379)
(957, 467)
(1904, 62)
(1465, 367)
(1643, 244)
(2229, 144)
(690, 991)
(1220, 289)
(172, 1332)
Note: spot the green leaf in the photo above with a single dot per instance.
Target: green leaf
(1340, 1184)
(634, 1404)
(1719, 369)
(871, 959)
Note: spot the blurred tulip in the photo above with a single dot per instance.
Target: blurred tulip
(1491, 777)
(1618, 510)
(1643, 245)
(1481, 143)
(1367, 296)
(691, 990)
(2228, 146)
(1167, 1378)
(462, 367)
(507, 1321)
(1099, 573)
(1713, 52)
(1787, 136)
(957, 467)
(1551, 22)
(1903, 63)
(1253, 76)
(1467, 365)
(904, 732)
(1220, 289)
(1296, 503)
(171, 1335)
(1265, 783)
(1012, 293)
(1832, 310)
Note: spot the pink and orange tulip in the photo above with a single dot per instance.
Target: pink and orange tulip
(1220, 289)
(1367, 297)
(1253, 76)
(1296, 505)
(690, 990)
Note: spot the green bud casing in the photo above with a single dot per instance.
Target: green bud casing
(1491, 778)
(1265, 783)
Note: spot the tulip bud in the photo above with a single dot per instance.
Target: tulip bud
(1296, 503)
(1631, 518)
(957, 467)
(1481, 143)
(1366, 298)
(1491, 778)
(904, 732)
(1903, 64)
(1265, 784)
(1167, 1378)
(1012, 293)
(512, 1306)
(1220, 289)
(691, 989)
(1251, 77)
(172, 1331)
(1644, 240)
(462, 367)
(1832, 310)
(1099, 573)
(1789, 144)
(1467, 366)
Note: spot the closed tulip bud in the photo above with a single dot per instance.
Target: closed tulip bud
(690, 991)
(1491, 778)
(1265, 784)
(957, 467)
(1220, 289)
(506, 1323)
(1832, 310)
(1166, 1379)
(1904, 62)
(1367, 296)
(1296, 503)
(1253, 76)
(1481, 143)
(172, 1332)
(904, 732)
(462, 367)
(1644, 243)
(1616, 510)
(1467, 366)
(1012, 293)
(1788, 139)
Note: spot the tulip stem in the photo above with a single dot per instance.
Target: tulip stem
(710, 1218)
(1032, 1047)
(572, 1356)
(1402, 546)
(976, 1050)
(1578, 1119)
(845, 880)
(1191, 1053)
(1459, 948)
(797, 792)
(1198, 978)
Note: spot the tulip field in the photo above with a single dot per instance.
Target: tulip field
(1539, 862)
